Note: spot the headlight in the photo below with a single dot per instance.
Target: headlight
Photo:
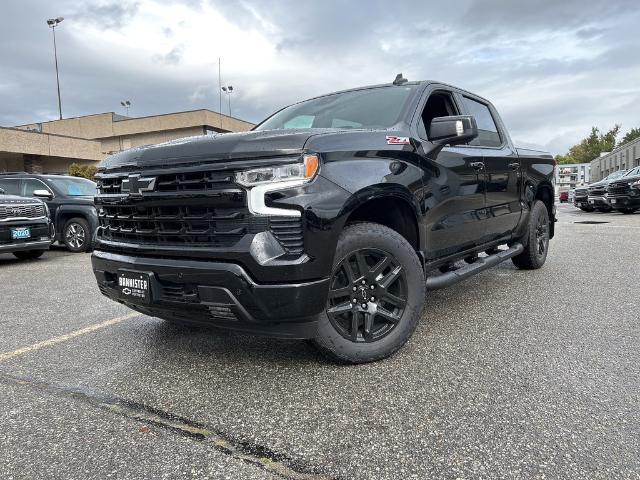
(267, 179)
(301, 171)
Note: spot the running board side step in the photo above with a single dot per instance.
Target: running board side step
(482, 263)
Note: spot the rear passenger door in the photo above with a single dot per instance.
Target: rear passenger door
(501, 168)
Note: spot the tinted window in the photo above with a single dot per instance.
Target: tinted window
(369, 108)
(11, 186)
(439, 104)
(74, 187)
(29, 185)
(488, 135)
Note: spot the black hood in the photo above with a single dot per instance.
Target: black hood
(14, 199)
(212, 148)
(245, 145)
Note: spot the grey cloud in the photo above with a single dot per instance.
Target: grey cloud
(324, 46)
(107, 15)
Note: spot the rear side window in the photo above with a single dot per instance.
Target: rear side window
(11, 186)
(488, 135)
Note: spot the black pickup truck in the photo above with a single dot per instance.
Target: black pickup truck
(623, 194)
(329, 221)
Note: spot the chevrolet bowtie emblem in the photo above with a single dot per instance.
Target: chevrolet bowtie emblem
(135, 184)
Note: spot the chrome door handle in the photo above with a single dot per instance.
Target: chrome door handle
(514, 165)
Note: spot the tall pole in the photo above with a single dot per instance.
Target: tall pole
(55, 56)
(220, 93)
(229, 95)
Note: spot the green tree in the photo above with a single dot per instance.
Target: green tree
(85, 171)
(630, 135)
(591, 147)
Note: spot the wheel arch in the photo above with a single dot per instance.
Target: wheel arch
(391, 207)
(544, 193)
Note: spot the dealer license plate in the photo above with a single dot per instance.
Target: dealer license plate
(613, 200)
(20, 233)
(134, 286)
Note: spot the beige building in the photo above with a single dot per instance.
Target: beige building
(623, 157)
(50, 147)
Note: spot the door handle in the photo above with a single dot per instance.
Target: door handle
(477, 165)
(514, 165)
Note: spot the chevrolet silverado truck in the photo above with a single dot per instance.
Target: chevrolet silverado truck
(598, 191)
(581, 199)
(328, 221)
(25, 228)
(623, 194)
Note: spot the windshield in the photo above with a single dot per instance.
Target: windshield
(378, 107)
(633, 172)
(615, 175)
(74, 187)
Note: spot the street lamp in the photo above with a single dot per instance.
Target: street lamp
(228, 90)
(53, 23)
(126, 104)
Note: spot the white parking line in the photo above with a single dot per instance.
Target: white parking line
(67, 336)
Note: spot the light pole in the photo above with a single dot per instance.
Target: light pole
(53, 23)
(126, 104)
(228, 90)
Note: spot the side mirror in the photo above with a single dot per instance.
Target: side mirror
(453, 130)
(42, 193)
(2, 191)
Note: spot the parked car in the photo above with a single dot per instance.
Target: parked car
(564, 196)
(70, 200)
(598, 190)
(581, 199)
(328, 221)
(623, 194)
(25, 228)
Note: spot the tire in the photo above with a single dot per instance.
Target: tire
(536, 239)
(627, 211)
(77, 236)
(29, 254)
(586, 209)
(389, 284)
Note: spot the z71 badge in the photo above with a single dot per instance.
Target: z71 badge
(394, 140)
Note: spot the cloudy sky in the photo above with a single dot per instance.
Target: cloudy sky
(553, 68)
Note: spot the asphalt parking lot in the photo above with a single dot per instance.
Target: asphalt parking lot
(511, 374)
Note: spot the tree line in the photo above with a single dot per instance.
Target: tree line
(595, 143)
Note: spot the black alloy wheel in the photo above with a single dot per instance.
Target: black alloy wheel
(367, 295)
(536, 240)
(376, 295)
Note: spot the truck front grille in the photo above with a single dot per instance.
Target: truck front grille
(618, 188)
(597, 191)
(202, 209)
(21, 211)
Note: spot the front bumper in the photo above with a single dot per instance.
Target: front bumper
(42, 235)
(623, 201)
(217, 293)
(597, 201)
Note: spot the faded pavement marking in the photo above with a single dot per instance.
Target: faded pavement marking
(66, 337)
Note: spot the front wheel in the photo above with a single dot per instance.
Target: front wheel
(29, 254)
(536, 238)
(376, 295)
(77, 235)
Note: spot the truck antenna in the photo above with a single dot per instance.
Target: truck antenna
(400, 80)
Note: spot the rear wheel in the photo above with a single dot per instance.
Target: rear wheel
(77, 235)
(29, 254)
(537, 239)
(376, 295)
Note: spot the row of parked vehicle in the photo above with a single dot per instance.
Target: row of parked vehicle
(38, 210)
(619, 191)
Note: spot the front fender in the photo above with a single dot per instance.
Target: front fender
(66, 212)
